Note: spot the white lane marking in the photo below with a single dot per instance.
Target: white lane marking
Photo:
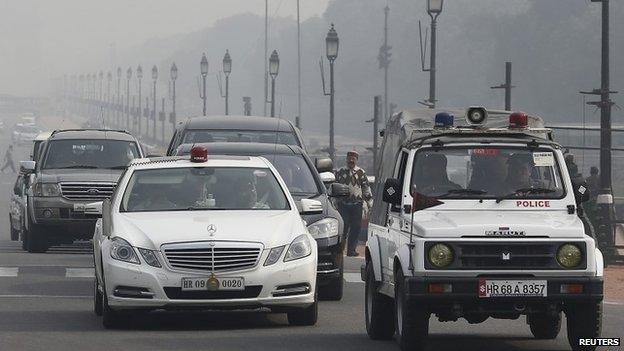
(353, 278)
(8, 271)
(79, 272)
(46, 296)
(614, 303)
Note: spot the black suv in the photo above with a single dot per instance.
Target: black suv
(75, 167)
(302, 177)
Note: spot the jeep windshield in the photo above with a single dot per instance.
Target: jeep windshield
(487, 173)
(203, 189)
(89, 154)
(239, 136)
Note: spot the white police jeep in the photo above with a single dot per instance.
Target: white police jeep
(479, 221)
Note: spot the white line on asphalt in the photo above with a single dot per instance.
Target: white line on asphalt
(45, 296)
(353, 278)
(79, 272)
(8, 271)
(614, 303)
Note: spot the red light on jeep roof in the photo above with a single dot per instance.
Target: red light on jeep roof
(199, 154)
(518, 120)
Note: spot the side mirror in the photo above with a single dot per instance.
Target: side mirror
(581, 193)
(392, 191)
(323, 165)
(94, 208)
(327, 177)
(309, 206)
(27, 167)
(339, 190)
(106, 217)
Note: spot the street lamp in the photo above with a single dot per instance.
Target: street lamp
(227, 69)
(128, 77)
(273, 71)
(331, 48)
(154, 78)
(434, 8)
(174, 77)
(139, 74)
(203, 66)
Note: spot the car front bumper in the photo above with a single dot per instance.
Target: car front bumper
(60, 211)
(330, 259)
(160, 288)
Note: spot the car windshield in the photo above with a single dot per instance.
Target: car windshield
(111, 154)
(239, 136)
(487, 172)
(296, 173)
(203, 188)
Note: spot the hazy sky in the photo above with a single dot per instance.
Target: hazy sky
(40, 34)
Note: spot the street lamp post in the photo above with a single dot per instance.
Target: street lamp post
(203, 66)
(139, 74)
(434, 8)
(154, 78)
(101, 76)
(273, 71)
(227, 69)
(331, 48)
(174, 77)
(128, 77)
(117, 106)
(109, 79)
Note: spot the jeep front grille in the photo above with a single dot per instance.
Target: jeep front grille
(87, 191)
(212, 256)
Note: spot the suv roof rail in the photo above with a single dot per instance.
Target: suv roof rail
(90, 129)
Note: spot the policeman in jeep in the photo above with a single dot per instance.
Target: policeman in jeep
(519, 169)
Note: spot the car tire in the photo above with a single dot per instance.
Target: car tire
(584, 322)
(35, 239)
(411, 320)
(304, 316)
(111, 319)
(378, 309)
(98, 305)
(545, 326)
(333, 291)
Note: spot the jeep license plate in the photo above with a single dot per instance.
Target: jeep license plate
(512, 288)
(213, 284)
(79, 207)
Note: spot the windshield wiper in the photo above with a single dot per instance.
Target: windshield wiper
(81, 166)
(524, 191)
(462, 191)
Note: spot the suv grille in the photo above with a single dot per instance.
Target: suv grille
(213, 256)
(87, 191)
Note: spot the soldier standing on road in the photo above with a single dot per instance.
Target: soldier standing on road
(593, 182)
(350, 208)
(8, 160)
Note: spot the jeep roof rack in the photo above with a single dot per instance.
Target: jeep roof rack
(90, 129)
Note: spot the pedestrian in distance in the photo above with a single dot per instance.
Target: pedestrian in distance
(593, 182)
(351, 207)
(8, 160)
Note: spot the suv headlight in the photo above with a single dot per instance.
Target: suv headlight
(299, 248)
(569, 255)
(440, 255)
(325, 228)
(121, 250)
(47, 189)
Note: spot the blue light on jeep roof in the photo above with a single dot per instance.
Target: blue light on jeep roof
(443, 120)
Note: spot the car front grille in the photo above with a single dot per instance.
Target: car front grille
(212, 256)
(87, 191)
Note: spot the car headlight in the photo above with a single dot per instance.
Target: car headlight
(121, 250)
(274, 255)
(325, 228)
(440, 255)
(569, 255)
(47, 189)
(150, 257)
(299, 248)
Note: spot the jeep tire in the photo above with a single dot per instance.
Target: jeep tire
(378, 309)
(545, 326)
(584, 321)
(411, 319)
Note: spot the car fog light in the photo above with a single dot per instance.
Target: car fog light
(569, 256)
(440, 255)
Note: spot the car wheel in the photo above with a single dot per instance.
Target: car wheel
(97, 298)
(36, 242)
(584, 322)
(111, 319)
(545, 326)
(411, 320)
(334, 290)
(305, 316)
(378, 309)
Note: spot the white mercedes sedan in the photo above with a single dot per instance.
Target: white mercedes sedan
(205, 232)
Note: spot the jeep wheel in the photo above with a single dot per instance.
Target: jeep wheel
(304, 316)
(545, 326)
(412, 320)
(584, 321)
(378, 309)
(35, 239)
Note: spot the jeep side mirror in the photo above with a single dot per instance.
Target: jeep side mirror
(309, 206)
(27, 167)
(327, 177)
(323, 165)
(339, 190)
(392, 191)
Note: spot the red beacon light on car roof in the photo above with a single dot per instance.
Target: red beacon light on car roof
(199, 154)
(518, 120)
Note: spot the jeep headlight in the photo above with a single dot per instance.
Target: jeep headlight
(47, 189)
(299, 248)
(440, 255)
(122, 250)
(325, 228)
(569, 255)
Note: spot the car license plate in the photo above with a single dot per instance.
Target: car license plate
(213, 284)
(79, 207)
(512, 288)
